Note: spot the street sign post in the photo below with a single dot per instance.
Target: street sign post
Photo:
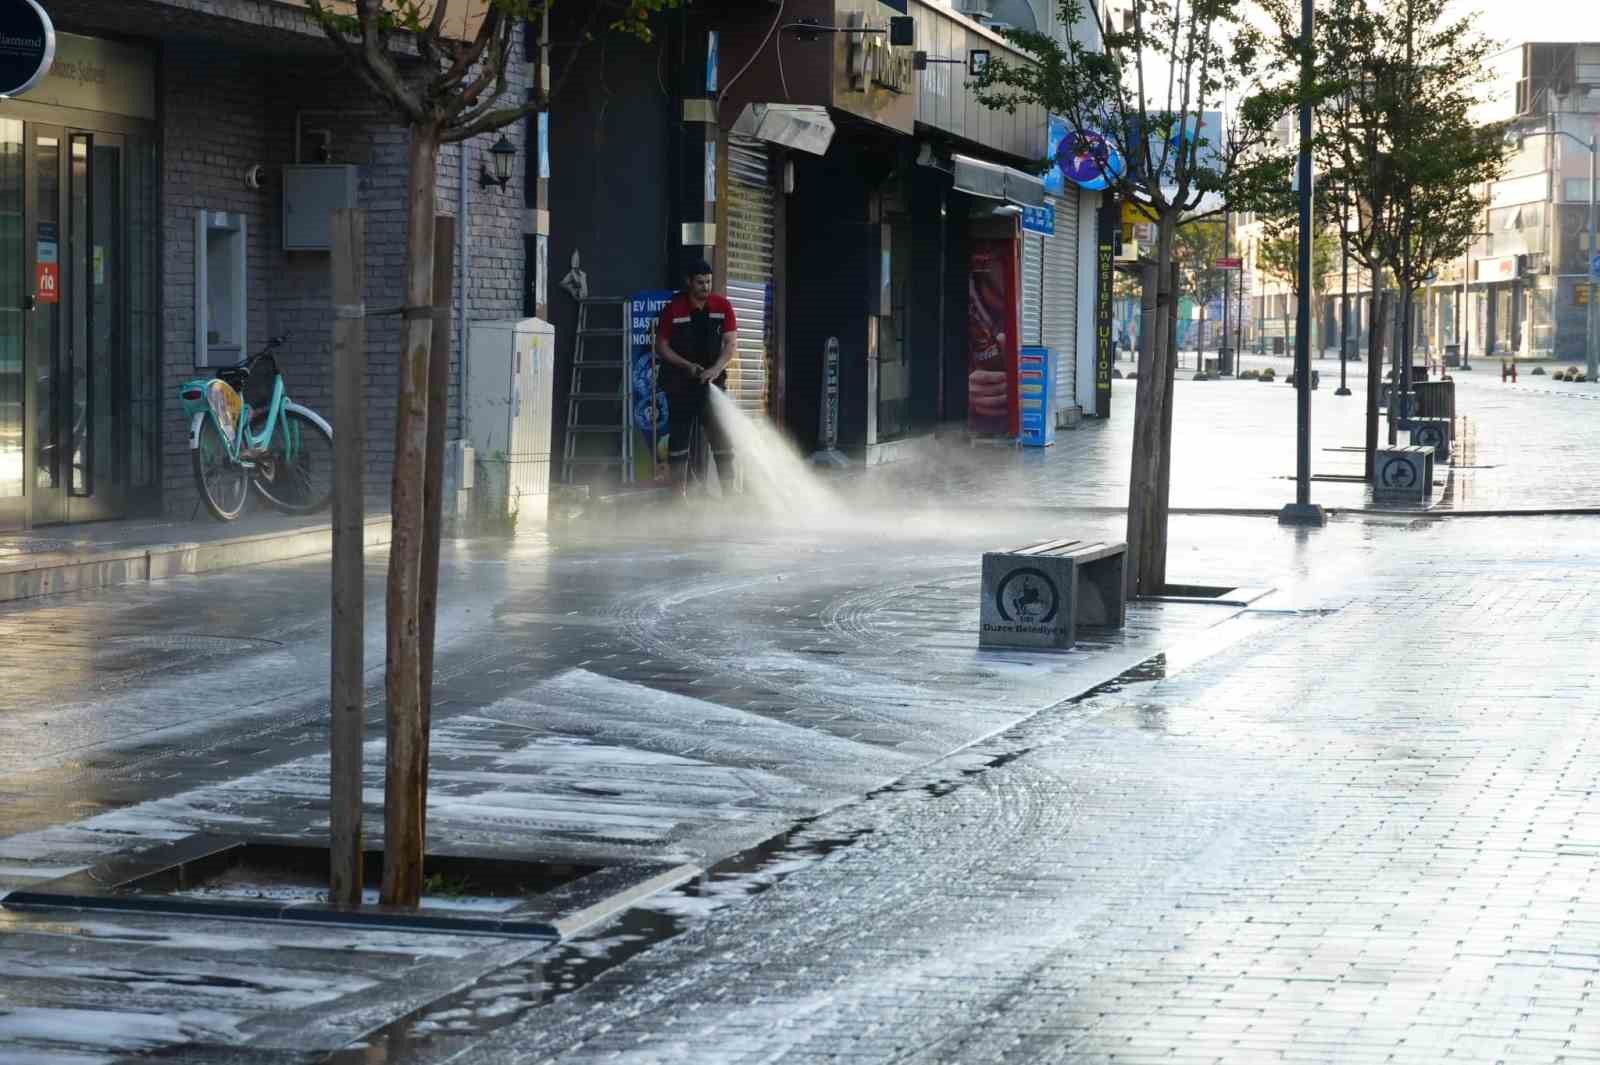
(1230, 264)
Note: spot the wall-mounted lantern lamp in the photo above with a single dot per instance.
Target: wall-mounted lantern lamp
(976, 59)
(504, 154)
(902, 30)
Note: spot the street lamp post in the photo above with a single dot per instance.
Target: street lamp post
(1592, 348)
(1302, 511)
(1463, 318)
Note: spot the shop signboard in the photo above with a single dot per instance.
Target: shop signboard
(1105, 277)
(27, 46)
(874, 78)
(92, 74)
(992, 334)
(649, 404)
(1500, 268)
(1040, 220)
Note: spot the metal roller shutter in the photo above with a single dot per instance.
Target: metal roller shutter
(751, 244)
(1032, 288)
(1061, 300)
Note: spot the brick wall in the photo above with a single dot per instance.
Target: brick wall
(223, 112)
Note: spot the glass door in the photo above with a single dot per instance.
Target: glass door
(42, 249)
(14, 296)
(76, 355)
(97, 347)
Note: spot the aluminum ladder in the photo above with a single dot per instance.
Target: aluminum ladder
(599, 434)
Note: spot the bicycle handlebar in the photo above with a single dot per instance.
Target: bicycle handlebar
(273, 344)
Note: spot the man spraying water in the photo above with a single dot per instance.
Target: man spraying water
(696, 339)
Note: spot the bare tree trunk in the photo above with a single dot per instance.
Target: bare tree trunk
(1156, 578)
(1144, 359)
(444, 231)
(1376, 324)
(1144, 485)
(1397, 382)
(406, 776)
(347, 694)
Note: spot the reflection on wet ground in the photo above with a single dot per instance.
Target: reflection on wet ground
(503, 998)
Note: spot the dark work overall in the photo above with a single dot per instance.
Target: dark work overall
(700, 341)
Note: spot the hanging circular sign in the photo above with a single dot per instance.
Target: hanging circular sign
(27, 46)
(1088, 160)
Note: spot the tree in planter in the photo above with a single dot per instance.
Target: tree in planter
(1199, 246)
(1146, 95)
(445, 79)
(1396, 145)
(1278, 257)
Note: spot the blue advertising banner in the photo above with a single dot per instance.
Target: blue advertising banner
(649, 405)
(1085, 159)
(1039, 220)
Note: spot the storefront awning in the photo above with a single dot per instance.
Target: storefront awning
(976, 177)
(802, 127)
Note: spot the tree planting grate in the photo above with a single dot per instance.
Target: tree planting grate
(1205, 593)
(226, 877)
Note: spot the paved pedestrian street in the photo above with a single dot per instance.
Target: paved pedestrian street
(1526, 445)
(1344, 813)
(1365, 832)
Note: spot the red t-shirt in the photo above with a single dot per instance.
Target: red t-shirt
(695, 333)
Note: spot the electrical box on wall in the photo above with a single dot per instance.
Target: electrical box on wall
(311, 192)
(510, 391)
(221, 281)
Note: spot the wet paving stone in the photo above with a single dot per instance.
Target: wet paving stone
(1353, 820)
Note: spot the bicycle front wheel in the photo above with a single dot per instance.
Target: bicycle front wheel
(223, 483)
(297, 475)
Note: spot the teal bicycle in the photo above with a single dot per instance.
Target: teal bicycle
(244, 430)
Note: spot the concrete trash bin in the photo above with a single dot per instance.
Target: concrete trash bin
(1403, 474)
(1034, 598)
(1437, 433)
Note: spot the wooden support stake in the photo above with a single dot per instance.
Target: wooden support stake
(444, 252)
(347, 673)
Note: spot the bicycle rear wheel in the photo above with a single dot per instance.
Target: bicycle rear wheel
(297, 475)
(224, 484)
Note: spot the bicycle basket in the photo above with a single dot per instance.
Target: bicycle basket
(224, 403)
(257, 388)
